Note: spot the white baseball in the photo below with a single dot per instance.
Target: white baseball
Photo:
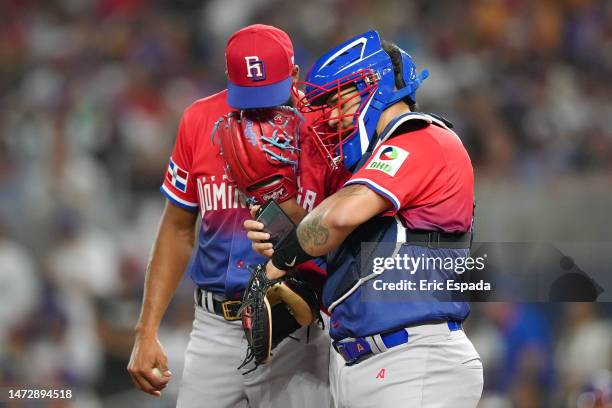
(157, 372)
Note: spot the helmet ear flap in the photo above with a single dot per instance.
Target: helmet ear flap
(409, 74)
(404, 72)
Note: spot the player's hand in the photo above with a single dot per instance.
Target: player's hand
(148, 354)
(273, 272)
(257, 236)
(253, 210)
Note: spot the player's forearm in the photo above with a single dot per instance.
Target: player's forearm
(169, 258)
(293, 210)
(328, 225)
(317, 237)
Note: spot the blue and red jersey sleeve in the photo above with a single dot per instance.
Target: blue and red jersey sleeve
(426, 176)
(179, 184)
(400, 170)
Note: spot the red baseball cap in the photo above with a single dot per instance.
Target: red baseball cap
(259, 60)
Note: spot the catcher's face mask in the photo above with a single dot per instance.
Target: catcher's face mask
(339, 105)
(362, 63)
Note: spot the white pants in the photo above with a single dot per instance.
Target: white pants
(437, 368)
(297, 375)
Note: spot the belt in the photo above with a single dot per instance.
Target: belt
(438, 239)
(217, 304)
(355, 350)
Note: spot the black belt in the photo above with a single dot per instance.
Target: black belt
(439, 239)
(228, 309)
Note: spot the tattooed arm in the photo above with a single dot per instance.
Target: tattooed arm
(334, 219)
(337, 216)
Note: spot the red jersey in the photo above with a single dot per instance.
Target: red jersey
(426, 174)
(195, 180)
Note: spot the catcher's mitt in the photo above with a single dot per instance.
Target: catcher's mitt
(260, 150)
(272, 309)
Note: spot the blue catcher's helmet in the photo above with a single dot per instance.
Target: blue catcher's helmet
(360, 62)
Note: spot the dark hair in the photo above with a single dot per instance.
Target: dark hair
(396, 59)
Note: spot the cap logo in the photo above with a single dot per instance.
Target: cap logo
(255, 68)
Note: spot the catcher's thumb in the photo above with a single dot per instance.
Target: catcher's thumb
(254, 209)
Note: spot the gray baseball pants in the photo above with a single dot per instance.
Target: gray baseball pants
(296, 377)
(437, 368)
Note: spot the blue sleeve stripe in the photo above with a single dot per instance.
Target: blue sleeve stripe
(178, 201)
(378, 189)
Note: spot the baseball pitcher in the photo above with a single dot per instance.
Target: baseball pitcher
(261, 72)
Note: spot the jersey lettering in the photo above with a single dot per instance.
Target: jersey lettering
(219, 191)
(218, 195)
(309, 200)
(306, 199)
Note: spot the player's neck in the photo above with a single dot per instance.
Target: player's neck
(389, 114)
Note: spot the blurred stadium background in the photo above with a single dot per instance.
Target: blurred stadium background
(90, 96)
